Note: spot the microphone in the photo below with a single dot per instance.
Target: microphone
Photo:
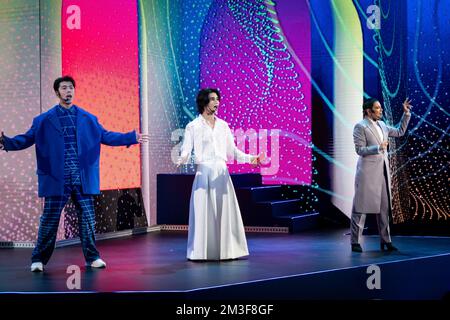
(211, 111)
(2, 141)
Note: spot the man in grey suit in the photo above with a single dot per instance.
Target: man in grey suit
(372, 180)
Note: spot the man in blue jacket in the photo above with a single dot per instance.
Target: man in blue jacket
(67, 141)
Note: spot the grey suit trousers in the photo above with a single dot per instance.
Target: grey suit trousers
(359, 219)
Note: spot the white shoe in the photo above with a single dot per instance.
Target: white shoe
(99, 263)
(37, 267)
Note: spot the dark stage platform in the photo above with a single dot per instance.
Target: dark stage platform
(312, 265)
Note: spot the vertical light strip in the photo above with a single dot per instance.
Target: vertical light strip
(347, 99)
(143, 101)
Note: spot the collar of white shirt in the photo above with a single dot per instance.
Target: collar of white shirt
(377, 127)
(203, 120)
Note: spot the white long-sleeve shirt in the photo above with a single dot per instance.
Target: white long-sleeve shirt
(378, 128)
(210, 144)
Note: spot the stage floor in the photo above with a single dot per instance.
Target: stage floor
(156, 262)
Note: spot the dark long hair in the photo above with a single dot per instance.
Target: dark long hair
(203, 98)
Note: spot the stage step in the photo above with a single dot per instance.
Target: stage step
(263, 193)
(260, 205)
(281, 207)
(298, 222)
(242, 180)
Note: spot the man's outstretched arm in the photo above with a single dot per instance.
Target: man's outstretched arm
(19, 142)
(111, 138)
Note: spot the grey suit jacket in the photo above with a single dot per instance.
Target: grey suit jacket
(369, 171)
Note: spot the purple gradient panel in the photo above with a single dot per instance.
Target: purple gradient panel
(251, 59)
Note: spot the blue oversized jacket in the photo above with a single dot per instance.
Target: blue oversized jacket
(46, 134)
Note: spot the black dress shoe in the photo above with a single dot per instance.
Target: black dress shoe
(389, 247)
(356, 247)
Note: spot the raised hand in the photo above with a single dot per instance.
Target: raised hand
(407, 105)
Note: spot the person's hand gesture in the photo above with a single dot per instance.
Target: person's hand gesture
(179, 162)
(141, 138)
(407, 105)
(256, 161)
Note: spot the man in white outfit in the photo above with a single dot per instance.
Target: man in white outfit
(216, 231)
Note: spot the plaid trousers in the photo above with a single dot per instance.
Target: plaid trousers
(48, 227)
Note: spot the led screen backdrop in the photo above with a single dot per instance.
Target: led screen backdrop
(247, 52)
(293, 75)
(247, 49)
(101, 53)
(20, 102)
